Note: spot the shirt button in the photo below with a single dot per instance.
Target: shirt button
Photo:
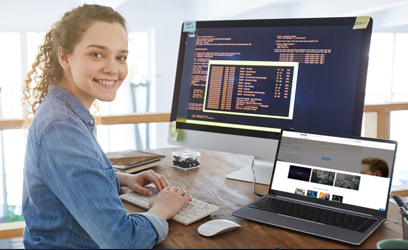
(91, 121)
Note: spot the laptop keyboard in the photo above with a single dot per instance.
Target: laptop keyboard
(310, 213)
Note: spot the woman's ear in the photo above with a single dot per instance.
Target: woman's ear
(63, 59)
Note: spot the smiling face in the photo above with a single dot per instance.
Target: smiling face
(97, 66)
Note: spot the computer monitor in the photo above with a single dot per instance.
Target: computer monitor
(239, 82)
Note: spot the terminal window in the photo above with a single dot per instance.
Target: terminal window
(251, 88)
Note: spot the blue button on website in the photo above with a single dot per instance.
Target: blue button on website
(326, 159)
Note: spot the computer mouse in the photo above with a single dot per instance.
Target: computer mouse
(217, 227)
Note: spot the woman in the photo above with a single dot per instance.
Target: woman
(70, 195)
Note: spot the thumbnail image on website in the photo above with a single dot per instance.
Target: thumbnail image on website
(344, 172)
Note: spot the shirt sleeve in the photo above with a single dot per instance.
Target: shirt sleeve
(71, 166)
(160, 225)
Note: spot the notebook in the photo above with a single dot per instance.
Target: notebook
(137, 168)
(327, 185)
(130, 159)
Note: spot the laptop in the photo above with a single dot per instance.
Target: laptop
(327, 185)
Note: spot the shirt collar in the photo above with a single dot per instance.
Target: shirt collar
(72, 101)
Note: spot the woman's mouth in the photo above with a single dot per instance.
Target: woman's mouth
(106, 83)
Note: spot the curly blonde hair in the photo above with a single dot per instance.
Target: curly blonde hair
(65, 34)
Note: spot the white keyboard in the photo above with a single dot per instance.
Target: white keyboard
(190, 212)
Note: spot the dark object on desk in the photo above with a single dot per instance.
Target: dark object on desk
(186, 159)
(187, 163)
(130, 161)
(404, 212)
(217, 227)
(400, 202)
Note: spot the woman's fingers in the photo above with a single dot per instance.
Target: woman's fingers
(167, 182)
(163, 180)
(158, 180)
(181, 192)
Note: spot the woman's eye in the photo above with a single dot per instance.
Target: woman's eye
(96, 55)
(122, 58)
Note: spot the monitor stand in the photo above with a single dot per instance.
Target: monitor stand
(262, 168)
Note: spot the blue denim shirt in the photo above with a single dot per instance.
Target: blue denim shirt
(70, 193)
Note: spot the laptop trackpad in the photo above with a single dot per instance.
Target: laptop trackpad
(294, 223)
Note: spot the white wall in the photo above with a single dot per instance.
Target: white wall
(22, 15)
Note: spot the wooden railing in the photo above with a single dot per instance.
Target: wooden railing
(377, 117)
(10, 230)
(105, 120)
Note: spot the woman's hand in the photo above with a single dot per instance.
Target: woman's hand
(137, 182)
(168, 202)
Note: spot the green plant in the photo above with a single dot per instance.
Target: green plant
(14, 213)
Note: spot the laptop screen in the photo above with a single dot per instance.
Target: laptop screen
(337, 169)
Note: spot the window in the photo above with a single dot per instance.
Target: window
(399, 87)
(386, 83)
(12, 141)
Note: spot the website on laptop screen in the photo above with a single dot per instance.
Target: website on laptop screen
(344, 170)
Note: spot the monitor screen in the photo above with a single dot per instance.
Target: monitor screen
(250, 78)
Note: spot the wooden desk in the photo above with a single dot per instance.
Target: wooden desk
(208, 183)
